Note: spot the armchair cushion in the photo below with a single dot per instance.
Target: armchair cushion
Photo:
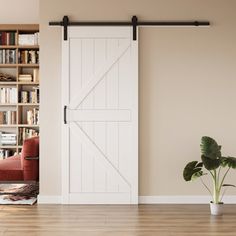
(10, 169)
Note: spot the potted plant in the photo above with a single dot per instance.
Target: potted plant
(212, 164)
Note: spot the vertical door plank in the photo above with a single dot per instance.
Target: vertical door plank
(87, 156)
(112, 127)
(100, 127)
(75, 86)
(125, 128)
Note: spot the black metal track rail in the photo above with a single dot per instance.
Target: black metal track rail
(134, 23)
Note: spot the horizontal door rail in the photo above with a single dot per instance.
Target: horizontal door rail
(134, 22)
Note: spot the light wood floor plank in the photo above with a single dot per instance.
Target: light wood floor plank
(117, 220)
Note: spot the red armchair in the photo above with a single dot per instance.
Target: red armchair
(24, 167)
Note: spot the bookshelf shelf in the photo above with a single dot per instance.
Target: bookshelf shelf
(19, 125)
(28, 65)
(20, 83)
(8, 83)
(8, 46)
(28, 83)
(19, 46)
(8, 104)
(26, 126)
(28, 46)
(18, 59)
(9, 126)
(8, 147)
(28, 104)
(8, 65)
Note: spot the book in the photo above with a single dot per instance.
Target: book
(7, 117)
(30, 96)
(25, 133)
(1, 117)
(8, 138)
(28, 56)
(7, 38)
(5, 153)
(25, 77)
(8, 95)
(24, 96)
(28, 39)
(7, 56)
(36, 75)
(32, 116)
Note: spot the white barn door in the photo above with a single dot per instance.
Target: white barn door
(100, 138)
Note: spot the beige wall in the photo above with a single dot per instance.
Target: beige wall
(19, 11)
(187, 86)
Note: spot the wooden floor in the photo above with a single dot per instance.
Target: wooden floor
(158, 220)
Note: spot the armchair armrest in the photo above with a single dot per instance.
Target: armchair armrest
(31, 158)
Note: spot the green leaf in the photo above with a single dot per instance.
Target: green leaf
(229, 161)
(210, 164)
(228, 185)
(200, 164)
(192, 168)
(197, 175)
(223, 161)
(210, 148)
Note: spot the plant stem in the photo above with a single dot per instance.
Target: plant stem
(215, 188)
(222, 181)
(218, 177)
(211, 174)
(205, 185)
(223, 194)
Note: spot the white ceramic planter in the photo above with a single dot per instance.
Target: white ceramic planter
(216, 209)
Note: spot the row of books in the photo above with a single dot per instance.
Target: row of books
(7, 117)
(32, 116)
(7, 38)
(7, 56)
(25, 133)
(10, 38)
(10, 139)
(34, 77)
(7, 138)
(8, 95)
(5, 153)
(28, 56)
(29, 39)
(30, 96)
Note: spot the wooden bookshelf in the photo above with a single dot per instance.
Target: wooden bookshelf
(16, 69)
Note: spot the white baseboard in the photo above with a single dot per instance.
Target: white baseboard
(178, 199)
(49, 199)
(185, 199)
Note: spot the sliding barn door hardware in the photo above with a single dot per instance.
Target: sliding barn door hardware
(134, 23)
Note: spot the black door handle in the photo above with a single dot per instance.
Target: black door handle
(65, 108)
